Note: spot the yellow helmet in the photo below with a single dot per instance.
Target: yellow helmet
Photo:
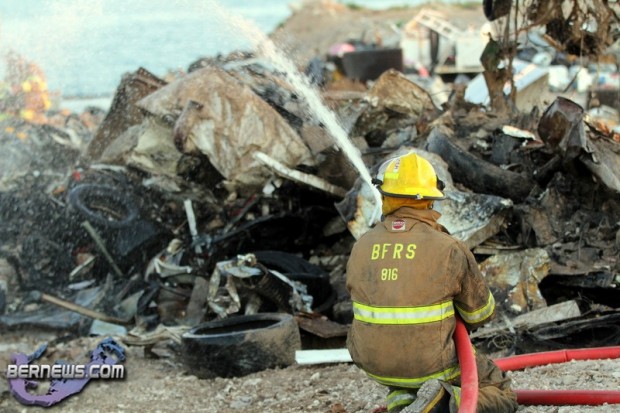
(409, 176)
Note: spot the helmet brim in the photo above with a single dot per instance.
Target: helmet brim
(436, 194)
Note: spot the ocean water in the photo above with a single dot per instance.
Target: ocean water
(85, 46)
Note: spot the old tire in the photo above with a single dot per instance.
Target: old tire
(91, 201)
(241, 345)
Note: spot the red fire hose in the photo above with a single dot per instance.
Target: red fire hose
(550, 357)
(567, 397)
(469, 378)
(562, 397)
(469, 371)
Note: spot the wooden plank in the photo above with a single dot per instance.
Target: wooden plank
(475, 173)
(322, 327)
(556, 312)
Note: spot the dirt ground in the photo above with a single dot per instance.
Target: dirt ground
(162, 385)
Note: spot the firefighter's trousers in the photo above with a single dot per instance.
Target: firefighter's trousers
(494, 392)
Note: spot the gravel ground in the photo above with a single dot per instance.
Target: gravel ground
(161, 385)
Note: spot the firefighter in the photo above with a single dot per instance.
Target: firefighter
(408, 280)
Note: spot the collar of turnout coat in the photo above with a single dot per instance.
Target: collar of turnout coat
(405, 218)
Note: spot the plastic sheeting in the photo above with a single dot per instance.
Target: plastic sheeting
(223, 119)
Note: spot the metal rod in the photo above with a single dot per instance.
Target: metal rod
(101, 246)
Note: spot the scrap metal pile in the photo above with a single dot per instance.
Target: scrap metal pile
(218, 194)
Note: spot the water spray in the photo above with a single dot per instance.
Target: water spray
(266, 47)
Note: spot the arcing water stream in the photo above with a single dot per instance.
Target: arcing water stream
(265, 46)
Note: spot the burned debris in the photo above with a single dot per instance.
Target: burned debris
(215, 197)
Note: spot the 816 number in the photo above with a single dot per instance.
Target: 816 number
(389, 274)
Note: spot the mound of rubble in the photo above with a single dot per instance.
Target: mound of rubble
(218, 194)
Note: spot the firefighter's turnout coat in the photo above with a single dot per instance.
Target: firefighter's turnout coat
(407, 278)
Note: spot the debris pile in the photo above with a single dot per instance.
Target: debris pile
(217, 195)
